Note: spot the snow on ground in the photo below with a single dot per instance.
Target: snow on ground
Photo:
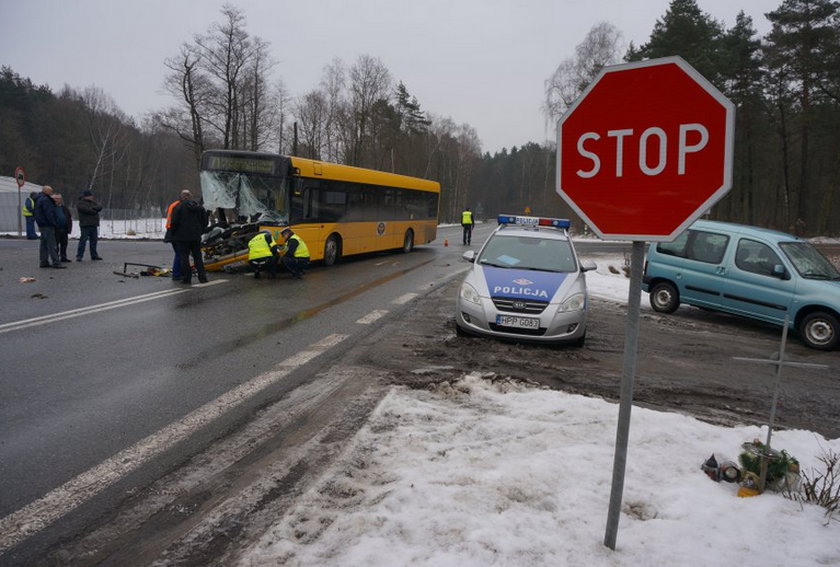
(608, 280)
(493, 473)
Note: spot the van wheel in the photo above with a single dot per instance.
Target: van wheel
(408, 241)
(820, 330)
(332, 250)
(664, 297)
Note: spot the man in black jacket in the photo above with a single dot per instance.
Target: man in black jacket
(65, 226)
(88, 211)
(189, 220)
(47, 220)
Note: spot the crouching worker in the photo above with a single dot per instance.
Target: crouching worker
(263, 252)
(296, 258)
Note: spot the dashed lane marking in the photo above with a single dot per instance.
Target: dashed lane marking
(403, 299)
(372, 316)
(39, 514)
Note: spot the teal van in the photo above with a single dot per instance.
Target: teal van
(748, 271)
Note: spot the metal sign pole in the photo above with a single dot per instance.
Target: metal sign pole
(631, 345)
(20, 178)
(19, 214)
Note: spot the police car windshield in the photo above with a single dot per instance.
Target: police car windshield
(528, 253)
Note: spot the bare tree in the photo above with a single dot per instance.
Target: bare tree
(311, 111)
(221, 83)
(191, 88)
(602, 46)
(225, 54)
(260, 103)
(282, 102)
(333, 85)
(107, 135)
(370, 82)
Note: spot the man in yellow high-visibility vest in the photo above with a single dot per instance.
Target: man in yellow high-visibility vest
(28, 211)
(296, 258)
(467, 222)
(263, 251)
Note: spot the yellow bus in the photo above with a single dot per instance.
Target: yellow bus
(338, 210)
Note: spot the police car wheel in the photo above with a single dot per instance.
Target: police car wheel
(460, 332)
(579, 342)
(664, 297)
(820, 330)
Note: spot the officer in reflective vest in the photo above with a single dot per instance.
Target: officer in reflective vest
(467, 223)
(263, 251)
(176, 261)
(296, 258)
(28, 211)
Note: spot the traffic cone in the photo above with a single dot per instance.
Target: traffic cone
(446, 242)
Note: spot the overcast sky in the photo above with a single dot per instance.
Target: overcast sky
(479, 62)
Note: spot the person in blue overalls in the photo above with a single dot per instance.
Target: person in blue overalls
(28, 211)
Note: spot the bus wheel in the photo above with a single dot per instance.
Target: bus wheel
(408, 241)
(332, 250)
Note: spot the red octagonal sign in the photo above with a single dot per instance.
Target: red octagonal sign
(645, 150)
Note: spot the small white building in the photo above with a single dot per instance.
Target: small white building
(10, 207)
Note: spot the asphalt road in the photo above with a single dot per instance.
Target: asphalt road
(95, 362)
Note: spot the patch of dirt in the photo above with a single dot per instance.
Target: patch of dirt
(686, 363)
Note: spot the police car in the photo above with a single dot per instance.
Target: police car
(526, 284)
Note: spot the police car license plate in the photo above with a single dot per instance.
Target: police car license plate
(518, 322)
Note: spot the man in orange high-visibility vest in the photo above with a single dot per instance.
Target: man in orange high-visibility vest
(176, 262)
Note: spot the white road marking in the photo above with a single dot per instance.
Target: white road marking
(208, 284)
(39, 514)
(372, 316)
(403, 299)
(45, 319)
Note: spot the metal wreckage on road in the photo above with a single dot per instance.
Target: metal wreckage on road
(337, 210)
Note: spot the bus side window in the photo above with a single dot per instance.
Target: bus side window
(297, 203)
(389, 205)
(310, 204)
(333, 205)
(432, 205)
(311, 197)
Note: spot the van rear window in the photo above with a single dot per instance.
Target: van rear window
(697, 245)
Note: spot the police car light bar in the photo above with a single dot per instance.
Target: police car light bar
(534, 221)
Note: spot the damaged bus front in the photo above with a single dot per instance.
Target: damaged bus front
(245, 192)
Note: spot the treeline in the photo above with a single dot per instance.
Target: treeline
(77, 140)
(786, 88)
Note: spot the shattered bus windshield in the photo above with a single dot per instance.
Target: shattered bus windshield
(247, 186)
(250, 197)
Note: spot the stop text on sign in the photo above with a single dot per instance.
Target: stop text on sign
(651, 148)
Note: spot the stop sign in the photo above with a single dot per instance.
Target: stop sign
(20, 175)
(645, 150)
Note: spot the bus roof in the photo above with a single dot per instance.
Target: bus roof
(326, 170)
